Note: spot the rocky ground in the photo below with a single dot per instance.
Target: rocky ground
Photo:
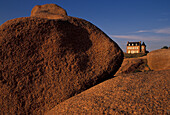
(135, 93)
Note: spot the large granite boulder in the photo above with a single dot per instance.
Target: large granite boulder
(159, 59)
(44, 62)
(127, 94)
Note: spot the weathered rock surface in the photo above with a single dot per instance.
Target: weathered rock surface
(133, 65)
(50, 11)
(159, 59)
(44, 62)
(139, 93)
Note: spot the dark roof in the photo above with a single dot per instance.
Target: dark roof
(143, 44)
(134, 43)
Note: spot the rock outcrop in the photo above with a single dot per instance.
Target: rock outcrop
(159, 59)
(44, 61)
(128, 94)
(133, 65)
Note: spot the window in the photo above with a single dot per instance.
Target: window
(130, 48)
(133, 52)
(136, 47)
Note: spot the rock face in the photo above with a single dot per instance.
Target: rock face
(159, 59)
(128, 94)
(133, 65)
(44, 62)
(50, 11)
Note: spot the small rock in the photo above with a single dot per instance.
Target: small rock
(50, 11)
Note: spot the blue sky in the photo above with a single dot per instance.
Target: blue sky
(122, 20)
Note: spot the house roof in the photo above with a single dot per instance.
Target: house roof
(133, 43)
(143, 44)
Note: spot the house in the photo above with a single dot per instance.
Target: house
(136, 47)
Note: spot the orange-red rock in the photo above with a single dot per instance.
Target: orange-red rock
(139, 93)
(44, 62)
(133, 65)
(159, 59)
(50, 11)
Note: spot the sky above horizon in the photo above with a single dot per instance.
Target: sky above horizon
(122, 20)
